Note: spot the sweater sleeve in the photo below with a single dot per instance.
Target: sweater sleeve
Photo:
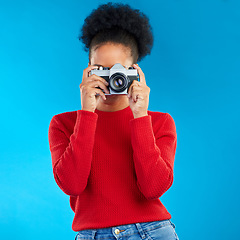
(153, 154)
(72, 156)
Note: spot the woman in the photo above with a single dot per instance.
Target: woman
(114, 158)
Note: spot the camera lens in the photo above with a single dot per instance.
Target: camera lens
(118, 82)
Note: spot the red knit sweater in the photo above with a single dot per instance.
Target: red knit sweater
(113, 166)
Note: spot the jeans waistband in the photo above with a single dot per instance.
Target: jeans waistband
(127, 228)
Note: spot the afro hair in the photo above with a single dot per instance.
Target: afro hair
(118, 23)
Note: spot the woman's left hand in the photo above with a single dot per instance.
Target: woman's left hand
(138, 95)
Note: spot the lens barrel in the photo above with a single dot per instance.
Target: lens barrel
(118, 82)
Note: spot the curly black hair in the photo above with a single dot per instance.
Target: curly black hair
(118, 23)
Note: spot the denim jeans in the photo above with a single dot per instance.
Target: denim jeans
(157, 230)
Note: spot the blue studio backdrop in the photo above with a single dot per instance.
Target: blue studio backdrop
(193, 73)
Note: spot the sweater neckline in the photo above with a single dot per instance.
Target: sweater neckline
(115, 113)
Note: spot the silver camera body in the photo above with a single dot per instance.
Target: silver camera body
(118, 77)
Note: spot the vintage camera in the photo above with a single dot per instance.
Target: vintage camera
(118, 77)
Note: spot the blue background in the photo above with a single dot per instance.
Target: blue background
(193, 73)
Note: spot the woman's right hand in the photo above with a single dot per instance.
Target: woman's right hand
(90, 95)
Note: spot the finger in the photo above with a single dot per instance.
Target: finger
(99, 92)
(95, 77)
(88, 69)
(99, 84)
(136, 94)
(134, 83)
(134, 87)
(130, 90)
(140, 73)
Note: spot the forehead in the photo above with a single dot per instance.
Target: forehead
(111, 53)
